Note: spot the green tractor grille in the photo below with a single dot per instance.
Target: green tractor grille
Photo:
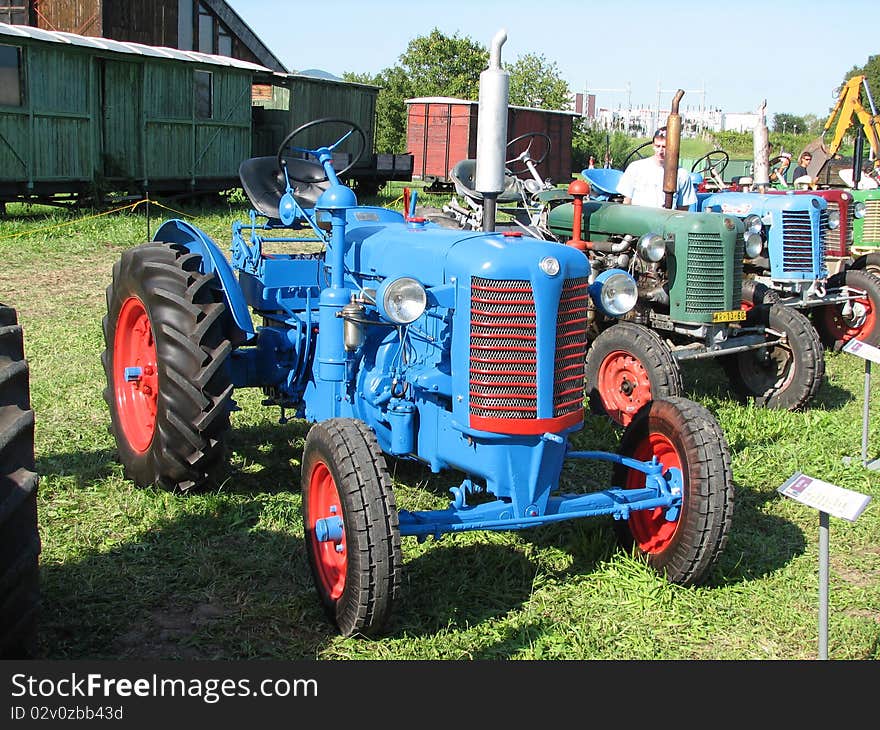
(871, 223)
(706, 265)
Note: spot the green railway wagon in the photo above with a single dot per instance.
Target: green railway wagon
(81, 116)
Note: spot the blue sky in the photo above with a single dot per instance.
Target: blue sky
(793, 54)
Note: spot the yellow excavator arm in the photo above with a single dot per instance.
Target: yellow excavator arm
(848, 106)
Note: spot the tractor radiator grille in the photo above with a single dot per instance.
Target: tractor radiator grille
(797, 240)
(871, 223)
(706, 267)
(503, 350)
(832, 239)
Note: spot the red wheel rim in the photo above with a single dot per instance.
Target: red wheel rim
(623, 385)
(135, 375)
(331, 558)
(841, 329)
(650, 528)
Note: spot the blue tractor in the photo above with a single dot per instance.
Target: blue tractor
(396, 338)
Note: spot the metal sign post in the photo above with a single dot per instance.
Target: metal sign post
(868, 353)
(828, 499)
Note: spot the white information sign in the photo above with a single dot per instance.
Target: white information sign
(862, 349)
(825, 497)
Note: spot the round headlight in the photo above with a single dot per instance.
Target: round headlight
(752, 224)
(754, 245)
(614, 292)
(549, 265)
(401, 300)
(859, 209)
(651, 247)
(833, 219)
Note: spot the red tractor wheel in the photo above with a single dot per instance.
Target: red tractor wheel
(166, 363)
(682, 544)
(627, 367)
(351, 525)
(859, 319)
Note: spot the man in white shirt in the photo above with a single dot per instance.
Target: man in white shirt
(642, 182)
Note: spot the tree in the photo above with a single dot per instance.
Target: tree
(789, 123)
(871, 72)
(535, 82)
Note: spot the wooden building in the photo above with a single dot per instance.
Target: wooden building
(441, 131)
(206, 26)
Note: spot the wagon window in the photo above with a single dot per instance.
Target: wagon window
(10, 75)
(204, 93)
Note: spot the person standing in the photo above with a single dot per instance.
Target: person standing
(642, 182)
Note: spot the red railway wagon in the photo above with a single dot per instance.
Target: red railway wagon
(442, 130)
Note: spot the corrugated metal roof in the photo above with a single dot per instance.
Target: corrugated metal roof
(138, 49)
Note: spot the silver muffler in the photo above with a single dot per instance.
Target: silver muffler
(492, 131)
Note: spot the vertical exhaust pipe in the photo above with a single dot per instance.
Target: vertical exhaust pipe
(673, 147)
(761, 151)
(492, 131)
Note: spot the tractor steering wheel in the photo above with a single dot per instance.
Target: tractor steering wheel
(313, 172)
(713, 163)
(637, 153)
(525, 155)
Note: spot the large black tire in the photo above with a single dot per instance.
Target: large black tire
(838, 324)
(627, 366)
(869, 262)
(357, 574)
(684, 435)
(780, 376)
(19, 532)
(169, 320)
(755, 293)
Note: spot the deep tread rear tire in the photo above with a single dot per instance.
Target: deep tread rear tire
(182, 444)
(755, 293)
(627, 366)
(779, 377)
(344, 474)
(19, 533)
(679, 430)
(834, 329)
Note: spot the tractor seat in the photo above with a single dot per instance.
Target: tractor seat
(603, 181)
(264, 183)
(464, 175)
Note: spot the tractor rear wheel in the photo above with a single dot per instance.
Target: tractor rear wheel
(166, 363)
(785, 375)
(869, 262)
(628, 366)
(352, 532)
(19, 533)
(683, 545)
(859, 319)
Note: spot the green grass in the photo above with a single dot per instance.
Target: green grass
(144, 574)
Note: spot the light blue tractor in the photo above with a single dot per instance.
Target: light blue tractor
(397, 338)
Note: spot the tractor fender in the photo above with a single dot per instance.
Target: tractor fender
(197, 241)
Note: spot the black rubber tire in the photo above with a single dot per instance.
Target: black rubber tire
(639, 366)
(869, 262)
(684, 551)
(19, 532)
(834, 330)
(755, 294)
(779, 377)
(356, 486)
(190, 322)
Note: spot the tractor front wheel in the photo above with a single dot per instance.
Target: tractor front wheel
(352, 533)
(784, 375)
(627, 367)
(166, 364)
(683, 435)
(858, 319)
